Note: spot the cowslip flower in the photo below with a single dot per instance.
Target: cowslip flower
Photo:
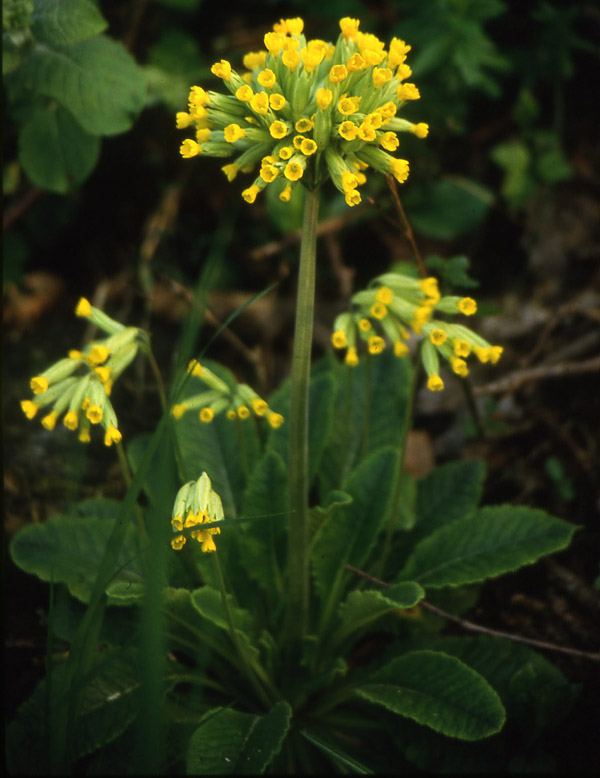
(197, 505)
(80, 384)
(236, 402)
(396, 306)
(314, 110)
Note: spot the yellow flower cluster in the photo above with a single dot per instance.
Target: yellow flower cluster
(80, 384)
(396, 304)
(197, 504)
(235, 402)
(307, 111)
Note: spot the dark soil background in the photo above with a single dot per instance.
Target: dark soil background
(135, 237)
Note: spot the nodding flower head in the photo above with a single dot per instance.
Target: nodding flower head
(305, 110)
(80, 384)
(197, 506)
(395, 304)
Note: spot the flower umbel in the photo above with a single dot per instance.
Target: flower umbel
(220, 397)
(396, 304)
(307, 111)
(197, 505)
(79, 385)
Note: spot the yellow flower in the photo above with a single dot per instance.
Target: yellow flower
(320, 86)
(468, 306)
(266, 78)
(189, 148)
(293, 171)
(207, 415)
(222, 69)
(435, 383)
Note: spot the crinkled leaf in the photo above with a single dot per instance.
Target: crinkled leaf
(96, 80)
(68, 549)
(361, 608)
(263, 544)
(228, 742)
(390, 387)
(439, 691)
(56, 153)
(349, 535)
(109, 705)
(321, 414)
(66, 22)
(449, 492)
(486, 544)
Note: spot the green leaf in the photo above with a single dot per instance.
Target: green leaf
(486, 544)
(361, 608)
(229, 742)
(262, 547)
(390, 387)
(97, 80)
(68, 549)
(449, 208)
(321, 413)
(319, 513)
(207, 601)
(449, 492)
(439, 691)
(56, 153)
(109, 705)
(66, 22)
(349, 535)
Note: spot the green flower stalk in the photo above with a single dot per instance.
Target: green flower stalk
(80, 385)
(307, 110)
(304, 111)
(396, 304)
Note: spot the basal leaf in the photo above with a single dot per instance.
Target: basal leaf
(321, 414)
(439, 691)
(96, 80)
(229, 742)
(109, 706)
(361, 608)
(262, 546)
(449, 492)
(349, 535)
(56, 153)
(207, 601)
(486, 544)
(68, 549)
(389, 389)
(66, 22)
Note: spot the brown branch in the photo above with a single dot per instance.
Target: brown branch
(16, 210)
(514, 381)
(485, 630)
(405, 226)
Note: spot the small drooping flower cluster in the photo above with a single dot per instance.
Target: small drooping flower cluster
(392, 306)
(307, 110)
(197, 504)
(236, 403)
(79, 385)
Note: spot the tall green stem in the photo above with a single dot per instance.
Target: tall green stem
(297, 614)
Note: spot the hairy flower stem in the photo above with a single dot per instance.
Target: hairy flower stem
(250, 670)
(297, 614)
